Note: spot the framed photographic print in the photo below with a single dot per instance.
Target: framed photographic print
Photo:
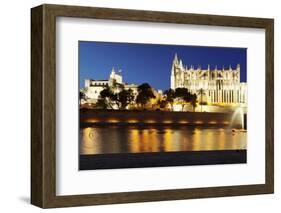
(136, 106)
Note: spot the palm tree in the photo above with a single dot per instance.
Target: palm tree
(201, 93)
(193, 101)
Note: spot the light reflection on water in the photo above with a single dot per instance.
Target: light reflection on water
(114, 139)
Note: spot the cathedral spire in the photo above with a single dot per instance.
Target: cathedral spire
(176, 60)
(181, 64)
(176, 56)
(113, 70)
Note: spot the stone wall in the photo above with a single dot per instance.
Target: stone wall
(159, 118)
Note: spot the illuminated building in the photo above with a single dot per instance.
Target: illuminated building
(216, 86)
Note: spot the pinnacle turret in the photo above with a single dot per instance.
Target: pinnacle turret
(176, 60)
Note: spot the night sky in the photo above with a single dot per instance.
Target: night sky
(151, 63)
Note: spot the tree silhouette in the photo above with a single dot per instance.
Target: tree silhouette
(124, 98)
(193, 101)
(170, 96)
(162, 103)
(145, 93)
(107, 98)
(183, 95)
(101, 103)
(82, 95)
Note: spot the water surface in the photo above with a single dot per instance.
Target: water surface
(134, 139)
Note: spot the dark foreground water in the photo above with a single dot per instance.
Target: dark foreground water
(134, 139)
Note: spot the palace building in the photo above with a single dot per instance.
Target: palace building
(216, 86)
(115, 82)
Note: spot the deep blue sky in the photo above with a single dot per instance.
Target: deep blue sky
(151, 63)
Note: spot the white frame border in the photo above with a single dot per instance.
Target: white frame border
(70, 181)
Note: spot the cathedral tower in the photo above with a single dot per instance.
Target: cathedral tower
(174, 72)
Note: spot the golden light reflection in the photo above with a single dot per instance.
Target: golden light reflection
(154, 141)
(145, 138)
(168, 140)
(134, 140)
(196, 140)
(221, 137)
(89, 136)
(116, 139)
(210, 141)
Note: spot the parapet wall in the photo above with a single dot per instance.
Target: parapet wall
(159, 118)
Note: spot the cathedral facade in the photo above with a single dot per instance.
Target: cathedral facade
(213, 86)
